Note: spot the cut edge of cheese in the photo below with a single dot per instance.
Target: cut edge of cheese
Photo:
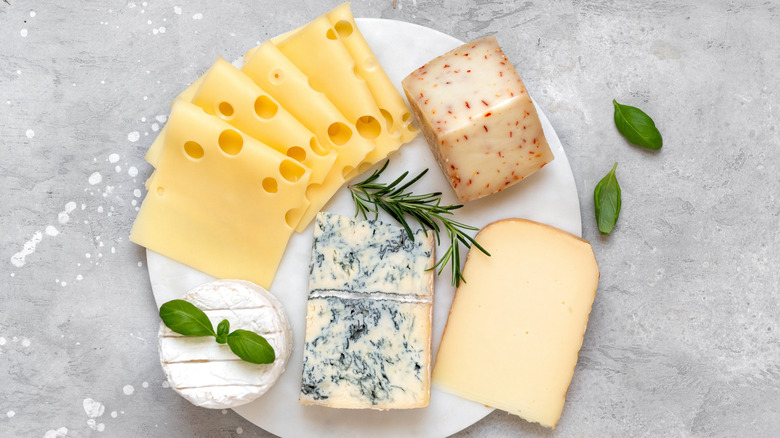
(497, 334)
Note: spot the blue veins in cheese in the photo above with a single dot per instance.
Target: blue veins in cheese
(368, 320)
(369, 256)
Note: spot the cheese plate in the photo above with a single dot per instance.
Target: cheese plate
(548, 196)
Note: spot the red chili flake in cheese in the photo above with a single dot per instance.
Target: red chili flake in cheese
(494, 162)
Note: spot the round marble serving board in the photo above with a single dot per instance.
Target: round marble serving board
(548, 196)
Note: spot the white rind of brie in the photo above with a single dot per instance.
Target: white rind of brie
(208, 374)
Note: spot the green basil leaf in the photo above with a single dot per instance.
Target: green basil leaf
(222, 331)
(606, 196)
(186, 319)
(637, 126)
(251, 347)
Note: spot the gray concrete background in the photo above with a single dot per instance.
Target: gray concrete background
(683, 337)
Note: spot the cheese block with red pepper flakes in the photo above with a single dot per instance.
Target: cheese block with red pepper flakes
(478, 119)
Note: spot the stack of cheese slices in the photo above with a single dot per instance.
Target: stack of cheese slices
(248, 156)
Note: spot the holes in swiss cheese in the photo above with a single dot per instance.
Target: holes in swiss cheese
(331, 34)
(356, 72)
(344, 28)
(160, 191)
(193, 149)
(316, 147)
(291, 171)
(231, 142)
(363, 167)
(225, 109)
(292, 217)
(339, 133)
(265, 108)
(407, 119)
(388, 119)
(297, 153)
(270, 186)
(276, 76)
(370, 64)
(346, 171)
(368, 127)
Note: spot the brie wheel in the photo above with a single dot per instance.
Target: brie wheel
(209, 374)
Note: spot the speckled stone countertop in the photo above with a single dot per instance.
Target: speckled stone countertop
(683, 336)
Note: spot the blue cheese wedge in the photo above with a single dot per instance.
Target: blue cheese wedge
(209, 374)
(368, 321)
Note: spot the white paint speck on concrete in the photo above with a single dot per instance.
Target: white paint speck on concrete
(95, 178)
(59, 433)
(18, 259)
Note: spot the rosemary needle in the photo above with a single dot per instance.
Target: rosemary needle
(371, 196)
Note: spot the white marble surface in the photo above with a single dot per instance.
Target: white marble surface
(683, 335)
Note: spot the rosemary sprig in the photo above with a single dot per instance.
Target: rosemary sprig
(371, 196)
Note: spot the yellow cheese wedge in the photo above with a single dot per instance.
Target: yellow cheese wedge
(397, 116)
(515, 328)
(219, 200)
(318, 51)
(280, 78)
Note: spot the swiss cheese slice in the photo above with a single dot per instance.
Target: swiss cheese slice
(318, 51)
(516, 326)
(397, 117)
(219, 200)
(280, 78)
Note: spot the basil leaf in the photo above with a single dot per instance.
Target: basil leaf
(637, 127)
(251, 347)
(606, 196)
(186, 319)
(222, 331)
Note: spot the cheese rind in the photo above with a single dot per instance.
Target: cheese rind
(209, 173)
(478, 119)
(209, 374)
(368, 325)
(516, 326)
